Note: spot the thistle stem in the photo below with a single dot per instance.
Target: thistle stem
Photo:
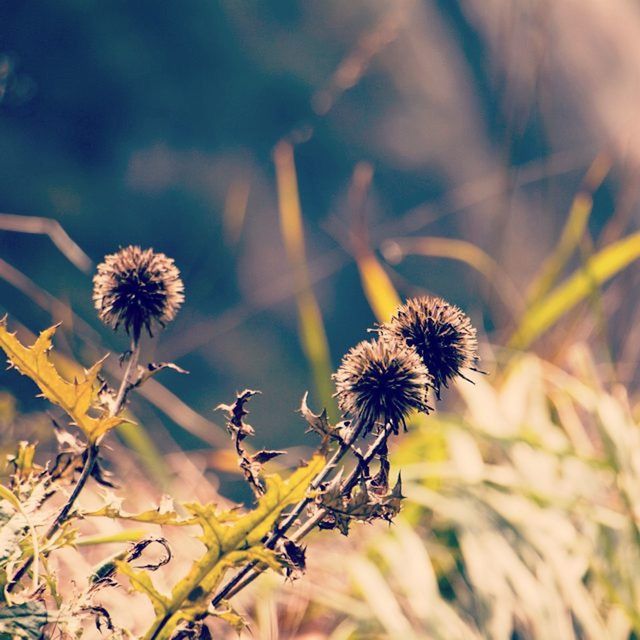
(349, 483)
(91, 455)
(245, 576)
(249, 573)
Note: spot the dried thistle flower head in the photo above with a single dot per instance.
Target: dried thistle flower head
(381, 380)
(135, 288)
(440, 332)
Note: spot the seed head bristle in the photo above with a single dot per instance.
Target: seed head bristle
(440, 332)
(137, 288)
(381, 381)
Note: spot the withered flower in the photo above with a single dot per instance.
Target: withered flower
(440, 332)
(136, 288)
(381, 381)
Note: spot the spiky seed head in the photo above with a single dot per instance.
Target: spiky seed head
(381, 381)
(136, 288)
(440, 332)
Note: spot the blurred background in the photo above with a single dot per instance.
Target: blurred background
(308, 164)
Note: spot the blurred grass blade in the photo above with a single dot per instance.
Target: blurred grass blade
(381, 599)
(138, 440)
(376, 284)
(52, 228)
(311, 327)
(596, 271)
(461, 250)
(235, 209)
(126, 535)
(573, 231)
(378, 288)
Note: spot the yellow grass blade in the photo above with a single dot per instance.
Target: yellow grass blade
(573, 231)
(311, 327)
(597, 270)
(378, 288)
(463, 251)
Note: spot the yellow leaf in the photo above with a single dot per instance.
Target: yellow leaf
(141, 582)
(152, 516)
(231, 617)
(74, 397)
(311, 326)
(232, 539)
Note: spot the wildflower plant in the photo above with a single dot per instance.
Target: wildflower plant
(379, 385)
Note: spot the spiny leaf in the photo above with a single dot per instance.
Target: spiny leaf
(232, 538)
(236, 413)
(153, 516)
(141, 582)
(319, 423)
(227, 613)
(74, 397)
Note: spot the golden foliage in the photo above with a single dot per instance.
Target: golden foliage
(76, 398)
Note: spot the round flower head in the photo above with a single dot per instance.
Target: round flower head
(380, 380)
(441, 333)
(135, 288)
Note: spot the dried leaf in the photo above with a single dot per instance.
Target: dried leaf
(262, 457)
(139, 547)
(294, 558)
(379, 484)
(318, 423)
(152, 516)
(144, 373)
(101, 616)
(236, 412)
(227, 613)
(101, 476)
